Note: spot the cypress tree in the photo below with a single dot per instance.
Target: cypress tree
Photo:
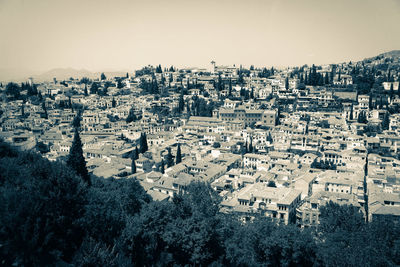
(188, 107)
(230, 88)
(170, 158)
(162, 167)
(133, 166)
(251, 145)
(136, 153)
(143, 143)
(76, 123)
(326, 78)
(385, 122)
(131, 116)
(391, 92)
(76, 159)
(45, 109)
(351, 112)
(269, 138)
(181, 104)
(178, 154)
(287, 83)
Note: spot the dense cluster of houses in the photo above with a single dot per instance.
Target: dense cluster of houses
(256, 152)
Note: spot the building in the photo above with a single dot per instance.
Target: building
(277, 203)
(248, 116)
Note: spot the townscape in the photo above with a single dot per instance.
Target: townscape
(280, 143)
(276, 142)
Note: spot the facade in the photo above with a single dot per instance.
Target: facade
(277, 203)
(248, 116)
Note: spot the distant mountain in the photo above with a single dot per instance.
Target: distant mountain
(16, 74)
(64, 74)
(110, 74)
(67, 73)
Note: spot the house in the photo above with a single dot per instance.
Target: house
(144, 164)
(307, 214)
(276, 203)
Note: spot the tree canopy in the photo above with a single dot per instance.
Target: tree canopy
(114, 222)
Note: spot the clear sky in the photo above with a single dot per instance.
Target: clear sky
(127, 34)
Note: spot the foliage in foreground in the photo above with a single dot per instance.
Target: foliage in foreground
(49, 216)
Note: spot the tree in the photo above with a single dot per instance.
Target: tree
(178, 154)
(133, 166)
(240, 79)
(162, 167)
(113, 103)
(362, 118)
(216, 145)
(94, 88)
(351, 112)
(188, 107)
(391, 92)
(13, 90)
(76, 123)
(86, 91)
(133, 155)
(230, 88)
(287, 83)
(159, 69)
(143, 143)
(44, 109)
(41, 204)
(136, 153)
(326, 80)
(181, 103)
(42, 147)
(169, 158)
(271, 183)
(131, 116)
(120, 85)
(250, 150)
(269, 138)
(341, 227)
(76, 160)
(386, 121)
(103, 77)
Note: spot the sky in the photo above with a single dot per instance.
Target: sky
(121, 35)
